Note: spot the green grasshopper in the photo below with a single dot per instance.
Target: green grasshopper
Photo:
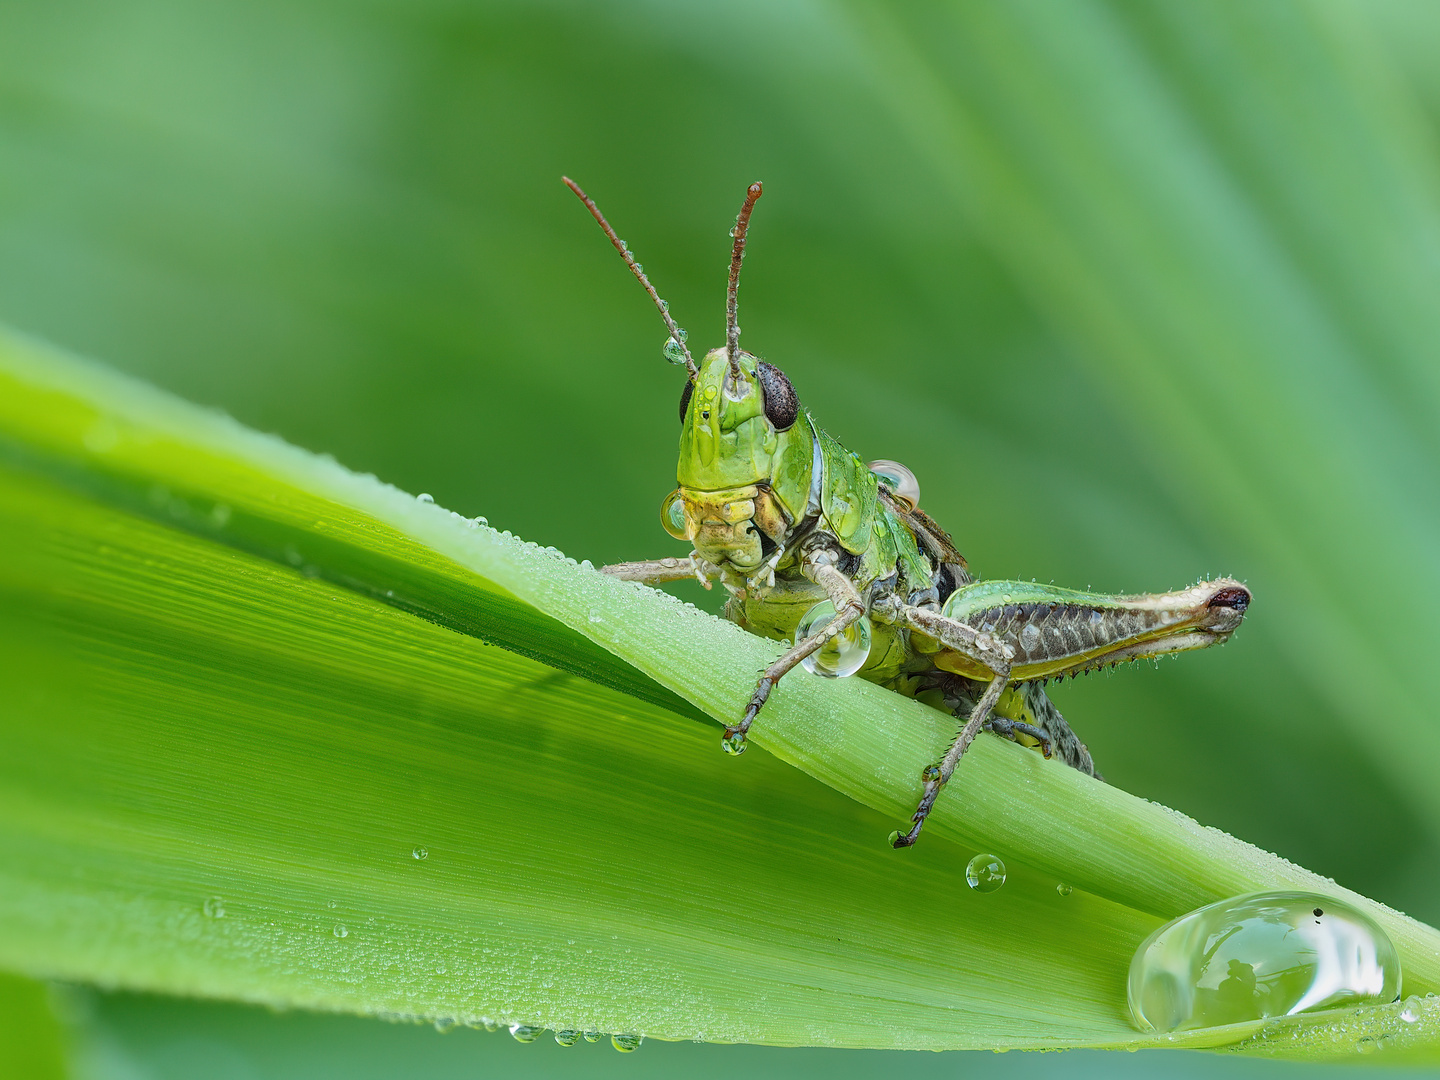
(819, 548)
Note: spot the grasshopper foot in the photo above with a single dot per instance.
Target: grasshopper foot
(1007, 729)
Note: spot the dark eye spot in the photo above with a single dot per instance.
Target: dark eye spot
(685, 398)
(1319, 912)
(781, 404)
(705, 414)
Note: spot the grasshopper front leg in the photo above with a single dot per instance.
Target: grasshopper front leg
(849, 607)
(653, 571)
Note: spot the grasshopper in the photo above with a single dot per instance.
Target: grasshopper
(817, 547)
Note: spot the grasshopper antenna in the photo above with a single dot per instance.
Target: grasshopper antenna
(676, 334)
(737, 253)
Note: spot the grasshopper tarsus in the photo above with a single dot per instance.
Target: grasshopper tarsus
(785, 518)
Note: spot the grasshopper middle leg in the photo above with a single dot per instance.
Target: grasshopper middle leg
(849, 607)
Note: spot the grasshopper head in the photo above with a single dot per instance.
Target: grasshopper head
(735, 440)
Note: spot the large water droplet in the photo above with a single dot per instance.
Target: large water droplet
(845, 653)
(525, 1033)
(626, 1043)
(1063, 889)
(594, 1036)
(985, 872)
(567, 1037)
(672, 516)
(898, 479)
(674, 350)
(214, 907)
(1260, 955)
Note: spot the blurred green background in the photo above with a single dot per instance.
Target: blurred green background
(1141, 291)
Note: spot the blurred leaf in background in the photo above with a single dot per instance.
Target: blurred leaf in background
(1142, 291)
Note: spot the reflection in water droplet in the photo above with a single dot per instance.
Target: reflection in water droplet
(1411, 1012)
(214, 907)
(894, 835)
(1260, 955)
(525, 1033)
(593, 1036)
(420, 853)
(626, 1043)
(567, 1037)
(985, 872)
(842, 655)
(1063, 889)
(341, 930)
(734, 743)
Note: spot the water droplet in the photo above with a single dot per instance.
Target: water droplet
(733, 743)
(1005, 598)
(420, 853)
(331, 904)
(1260, 955)
(425, 497)
(593, 1036)
(214, 907)
(1411, 1012)
(930, 774)
(626, 1043)
(341, 930)
(525, 1033)
(672, 516)
(1365, 1045)
(596, 618)
(894, 835)
(1063, 889)
(567, 1037)
(898, 479)
(674, 348)
(985, 872)
(842, 655)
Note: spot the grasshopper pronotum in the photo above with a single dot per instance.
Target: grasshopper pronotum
(816, 546)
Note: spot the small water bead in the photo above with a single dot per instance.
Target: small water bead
(843, 654)
(332, 904)
(985, 872)
(525, 1033)
(213, 907)
(567, 1037)
(1063, 889)
(594, 1036)
(1257, 956)
(626, 1043)
(1411, 1013)
(425, 497)
(341, 930)
(1365, 1045)
(672, 516)
(420, 853)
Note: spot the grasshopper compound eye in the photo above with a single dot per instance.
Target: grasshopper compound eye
(685, 400)
(781, 404)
